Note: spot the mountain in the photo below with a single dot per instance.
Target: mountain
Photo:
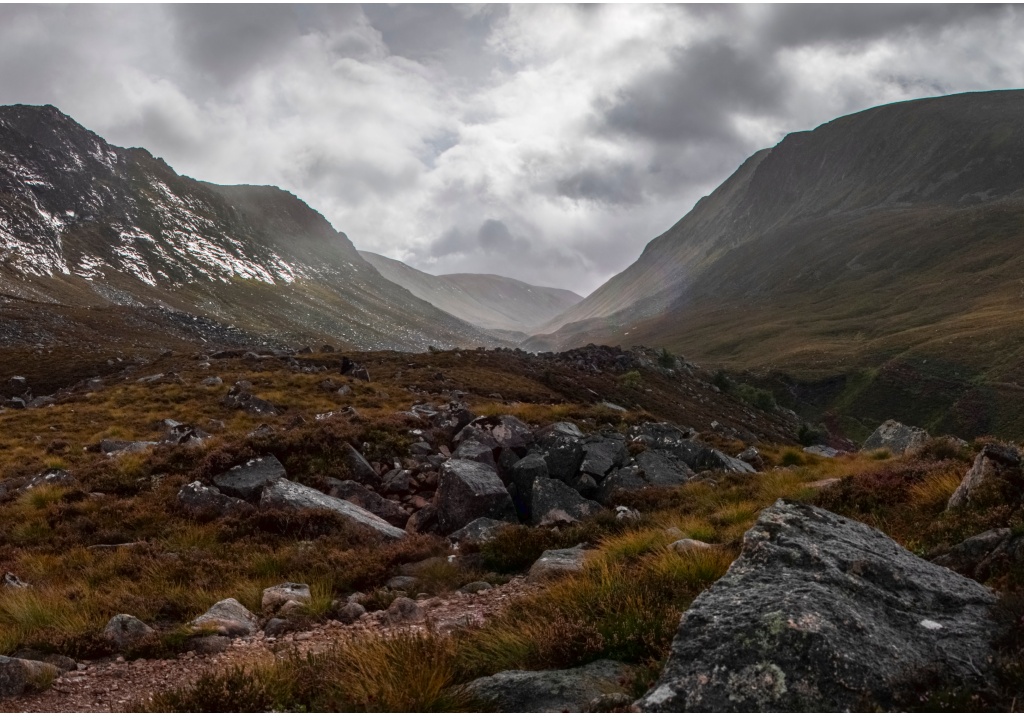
(85, 224)
(877, 255)
(488, 301)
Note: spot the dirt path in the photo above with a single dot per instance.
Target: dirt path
(112, 685)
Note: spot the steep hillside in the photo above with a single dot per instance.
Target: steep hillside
(885, 242)
(87, 224)
(487, 301)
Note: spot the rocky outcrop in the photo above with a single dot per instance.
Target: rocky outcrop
(287, 495)
(468, 490)
(896, 437)
(821, 614)
(246, 482)
(994, 465)
(574, 690)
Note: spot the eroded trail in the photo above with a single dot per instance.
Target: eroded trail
(112, 686)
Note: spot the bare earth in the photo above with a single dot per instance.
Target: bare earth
(114, 685)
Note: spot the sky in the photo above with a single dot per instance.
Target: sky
(549, 143)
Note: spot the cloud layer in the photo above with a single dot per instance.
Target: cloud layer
(547, 143)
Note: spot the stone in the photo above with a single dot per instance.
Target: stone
(475, 587)
(10, 580)
(423, 520)
(125, 631)
(246, 482)
(477, 452)
(125, 447)
(625, 514)
(563, 447)
(362, 471)
(586, 485)
(550, 495)
(474, 432)
(208, 644)
(752, 458)
(896, 437)
(603, 453)
(662, 469)
(512, 433)
(353, 492)
(523, 475)
(18, 675)
(276, 627)
(822, 451)
(287, 495)
(276, 597)
(965, 557)
(688, 545)
(348, 612)
(239, 398)
(479, 531)
(42, 401)
(207, 503)
(573, 690)
(821, 613)
(212, 381)
(627, 478)
(229, 618)
(396, 482)
(402, 582)
(469, 490)
(993, 464)
(554, 564)
(404, 610)
(62, 662)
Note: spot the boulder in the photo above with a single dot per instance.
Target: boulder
(523, 474)
(287, 495)
(469, 490)
(212, 381)
(822, 451)
(602, 453)
(274, 598)
(512, 433)
(356, 494)
(551, 495)
(396, 482)
(896, 437)
(423, 520)
(401, 582)
(125, 631)
(475, 587)
(627, 478)
(477, 452)
(208, 644)
(554, 564)
(478, 531)
(239, 398)
(562, 444)
(995, 464)
(18, 675)
(246, 482)
(125, 447)
(965, 557)
(821, 614)
(574, 690)
(347, 612)
(227, 617)
(205, 502)
(752, 458)
(688, 545)
(662, 469)
(362, 471)
(62, 662)
(404, 610)
(474, 432)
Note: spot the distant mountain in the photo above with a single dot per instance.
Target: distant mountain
(887, 241)
(488, 301)
(87, 224)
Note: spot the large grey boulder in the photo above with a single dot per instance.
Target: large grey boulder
(246, 482)
(993, 464)
(602, 453)
(551, 497)
(227, 617)
(562, 444)
(627, 478)
(554, 564)
(512, 433)
(274, 598)
(477, 452)
(18, 675)
(125, 631)
(821, 614)
(367, 499)
(523, 474)
(469, 490)
(662, 469)
(479, 531)
(205, 502)
(574, 690)
(896, 437)
(287, 495)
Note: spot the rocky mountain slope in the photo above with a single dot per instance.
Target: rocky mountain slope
(885, 241)
(488, 301)
(87, 224)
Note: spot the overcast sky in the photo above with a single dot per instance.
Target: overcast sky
(547, 143)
